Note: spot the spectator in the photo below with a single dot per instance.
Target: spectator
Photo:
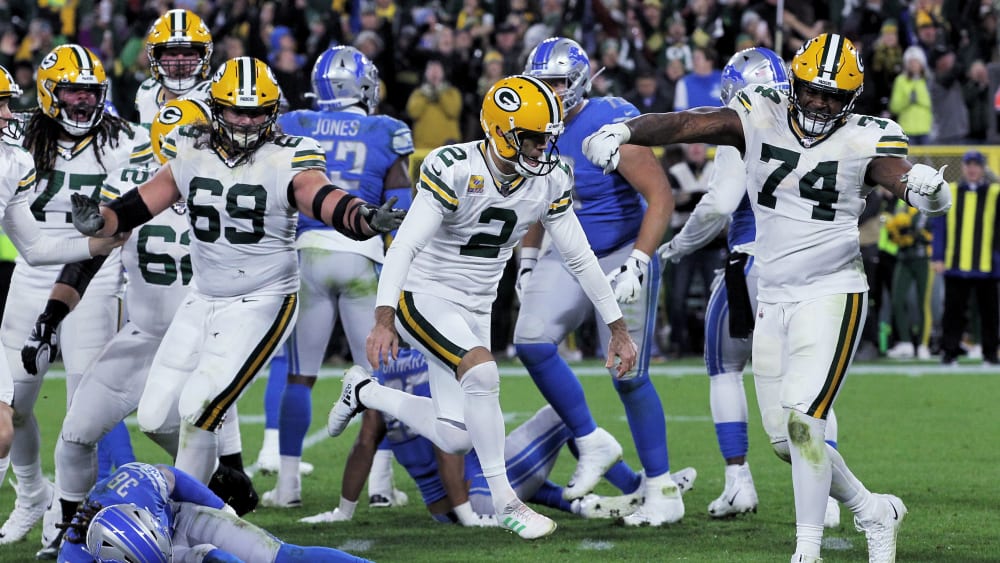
(976, 92)
(951, 117)
(24, 75)
(677, 45)
(702, 87)
(910, 104)
(616, 76)
(648, 96)
(435, 108)
(907, 228)
(507, 42)
(886, 64)
(476, 20)
(965, 252)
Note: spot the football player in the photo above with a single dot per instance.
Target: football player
(623, 232)
(474, 202)
(75, 144)
(367, 155)
(244, 184)
(157, 513)
(16, 183)
(731, 306)
(179, 48)
(810, 161)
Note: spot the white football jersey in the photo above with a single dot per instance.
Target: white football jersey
(151, 96)
(156, 258)
(79, 171)
(807, 197)
(242, 222)
(465, 258)
(17, 175)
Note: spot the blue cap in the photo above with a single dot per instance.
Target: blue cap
(974, 156)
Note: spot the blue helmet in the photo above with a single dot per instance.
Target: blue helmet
(757, 65)
(342, 77)
(560, 59)
(125, 532)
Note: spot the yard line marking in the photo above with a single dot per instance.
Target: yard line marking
(356, 546)
(596, 545)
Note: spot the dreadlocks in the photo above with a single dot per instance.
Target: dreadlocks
(41, 138)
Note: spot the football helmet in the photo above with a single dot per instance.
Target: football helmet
(9, 89)
(827, 65)
(556, 60)
(248, 86)
(342, 77)
(518, 107)
(125, 532)
(72, 66)
(173, 114)
(179, 29)
(757, 65)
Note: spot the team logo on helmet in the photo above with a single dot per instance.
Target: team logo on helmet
(507, 99)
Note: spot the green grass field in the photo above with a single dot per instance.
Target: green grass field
(920, 432)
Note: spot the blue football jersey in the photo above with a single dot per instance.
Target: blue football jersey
(742, 229)
(608, 207)
(360, 150)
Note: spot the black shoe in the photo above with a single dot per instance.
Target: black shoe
(948, 360)
(51, 551)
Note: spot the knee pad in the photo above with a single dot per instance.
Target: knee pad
(482, 379)
(198, 393)
(453, 439)
(535, 354)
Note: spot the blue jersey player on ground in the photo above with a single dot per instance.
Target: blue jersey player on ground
(624, 216)
(367, 155)
(731, 307)
(150, 514)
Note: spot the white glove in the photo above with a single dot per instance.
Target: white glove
(627, 279)
(529, 257)
(601, 147)
(668, 251)
(927, 190)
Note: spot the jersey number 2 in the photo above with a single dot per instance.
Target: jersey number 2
(487, 245)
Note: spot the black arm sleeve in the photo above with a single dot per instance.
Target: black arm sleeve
(78, 274)
(131, 211)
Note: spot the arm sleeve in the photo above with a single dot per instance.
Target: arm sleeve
(422, 221)
(37, 248)
(188, 489)
(711, 215)
(569, 238)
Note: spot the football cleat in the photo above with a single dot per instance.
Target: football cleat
(739, 496)
(525, 522)
(53, 516)
(595, 506)
(348, 404)
(598, 451)
(334, 515)
(661, 503)
(832, 517)
(51, 551)
(685, 479)
(378, 500)
(800, 558)
(881, 530)
(28, 510)
(278, 498)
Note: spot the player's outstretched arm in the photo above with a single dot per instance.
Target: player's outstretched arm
(718, 126)
(351, 216)
(919, 185)
(127, 212)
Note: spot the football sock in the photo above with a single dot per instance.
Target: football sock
(417, 413)
(811, 472)
(485, 425)
(4, 465)
(729, 411)
(198, 451)
(559, 385)
(76, 469)
(646, 422)
(380, 476)
(276, 379)
(296, 414)
(25, 456)
(846, 488)
(550, 494)
(230, 440)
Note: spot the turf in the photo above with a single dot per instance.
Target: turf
(925, 434)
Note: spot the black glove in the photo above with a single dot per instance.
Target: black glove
(86, 215)
(383, 219)
(42, 345)
(234, 488)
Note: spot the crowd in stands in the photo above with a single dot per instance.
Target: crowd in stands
(927, 61)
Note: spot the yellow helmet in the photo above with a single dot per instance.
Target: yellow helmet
(831, 66)
(247, 85)
(173, 114)
(522, 105)
(179, 29)
(72, 66)
(9, 89)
